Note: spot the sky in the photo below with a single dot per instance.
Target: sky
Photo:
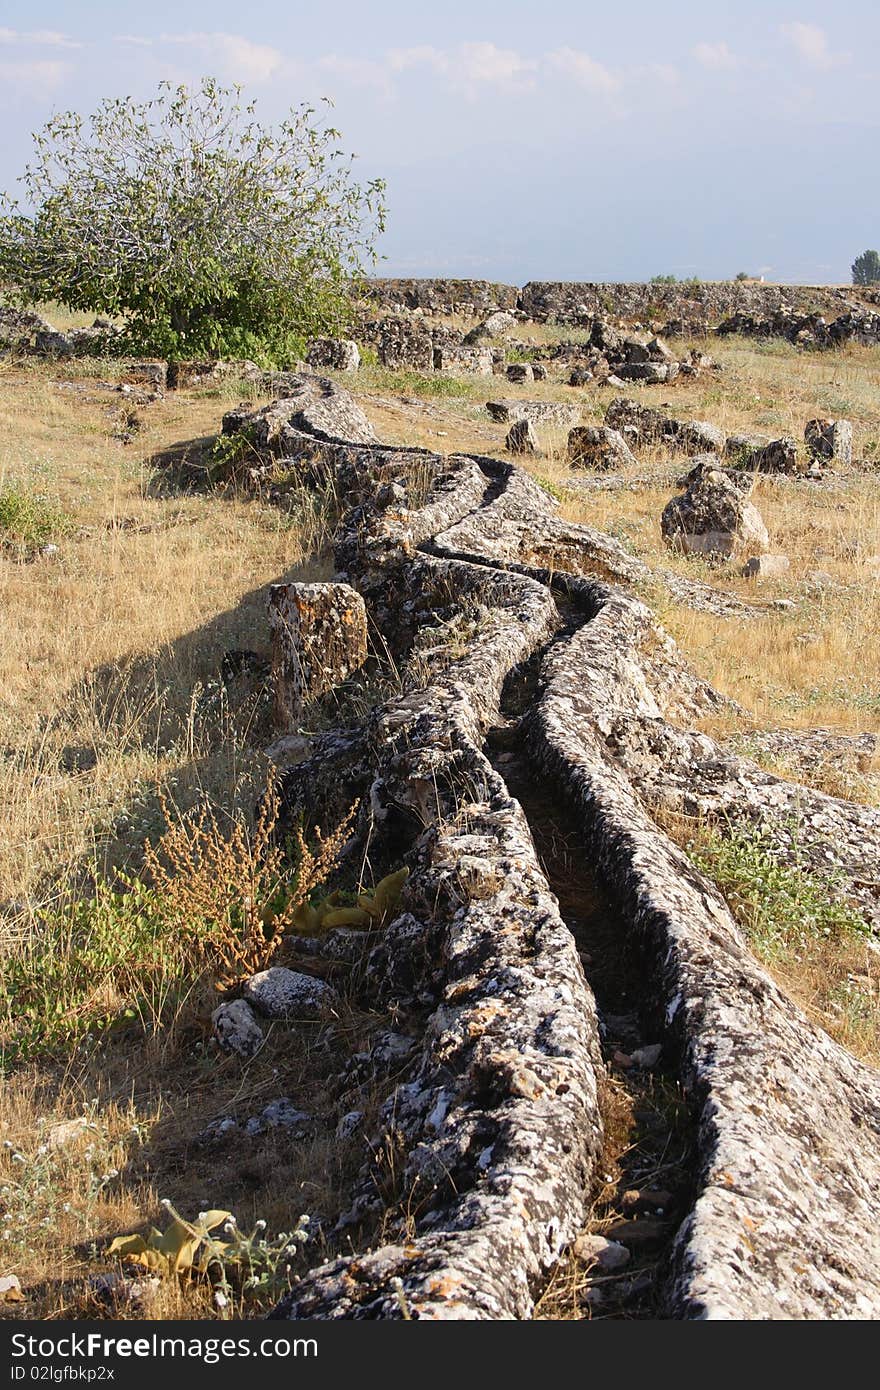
(552, 139)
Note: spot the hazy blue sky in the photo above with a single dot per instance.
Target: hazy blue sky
(526, 141)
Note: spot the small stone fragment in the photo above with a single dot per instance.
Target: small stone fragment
(522, 439)
(766, 567)
(597, 446)
(289, 994)
(596, 1250)
(236, 1028)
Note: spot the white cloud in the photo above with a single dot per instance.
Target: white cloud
(485, 63)
(360, 72)
(811, 45)
(48, 38)
(469, 65)
(423, 55)
(136, 40)
(715, 56)
(583, 69)
(36, 75)
(233, 55)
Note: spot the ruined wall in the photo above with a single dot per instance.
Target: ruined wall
(473, 297)
(698, 305)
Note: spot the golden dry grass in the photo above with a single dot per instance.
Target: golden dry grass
(113, 645)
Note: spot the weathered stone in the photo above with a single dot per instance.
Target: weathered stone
(713, 518)
(580, 376)
(539, 371)
(405, 344)
(539, 412)
(743, 447)
(473, 298)
(651, 373)
(766, 567)
(522, 439)
(319, 639)
(19, 326)
(285, 1114)
(493, 327)
(311, 405)
(520, 371)
(340, 354)
(830, 440)
(698, 437)
(495, 1119)
(779, 456)
(643, 422)
(52, 343)
(597, 446)
(597, 1250)
(288, 994)
(236, 1028)
(462, 361)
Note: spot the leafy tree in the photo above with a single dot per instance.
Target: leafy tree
(866, 269)
(207, 232)
(742, 275)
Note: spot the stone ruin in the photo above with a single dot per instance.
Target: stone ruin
(560, 690)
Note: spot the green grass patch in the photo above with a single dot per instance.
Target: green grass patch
(89, 965)
(29, 520)
(783, 908)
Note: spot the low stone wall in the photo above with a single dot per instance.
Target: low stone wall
(698, 306)
(472, 297)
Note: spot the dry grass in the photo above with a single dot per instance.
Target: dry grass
(111, 693)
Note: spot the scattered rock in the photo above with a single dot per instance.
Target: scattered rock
(713, 518)
(405, 343)
(349, 1125)
(597, 446)
(340, 354)
(520, 371)
(319, 638)
(779, 456)
(647, 1057)
(462, 361)
(699, 437)
(580, 376)
(596, 1250)
(236, 1028)
(493, 327)
(539, 412)
(522, 439)
(766, 567)
(281, 1114)
(288, 994)
(829, 440)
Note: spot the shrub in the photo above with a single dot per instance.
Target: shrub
(209, 233)
(29, 520)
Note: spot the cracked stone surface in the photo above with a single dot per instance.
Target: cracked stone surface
(496, 1113)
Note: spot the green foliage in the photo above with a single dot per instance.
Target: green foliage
(209, 234)
(781, 906)
(866, 269)
(743, 275)
(29, 520)
(87, 965)
(554, 489)
(663, 280)
(228, 452)
(260, 1267)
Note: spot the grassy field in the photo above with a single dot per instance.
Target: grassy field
(121, 594)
